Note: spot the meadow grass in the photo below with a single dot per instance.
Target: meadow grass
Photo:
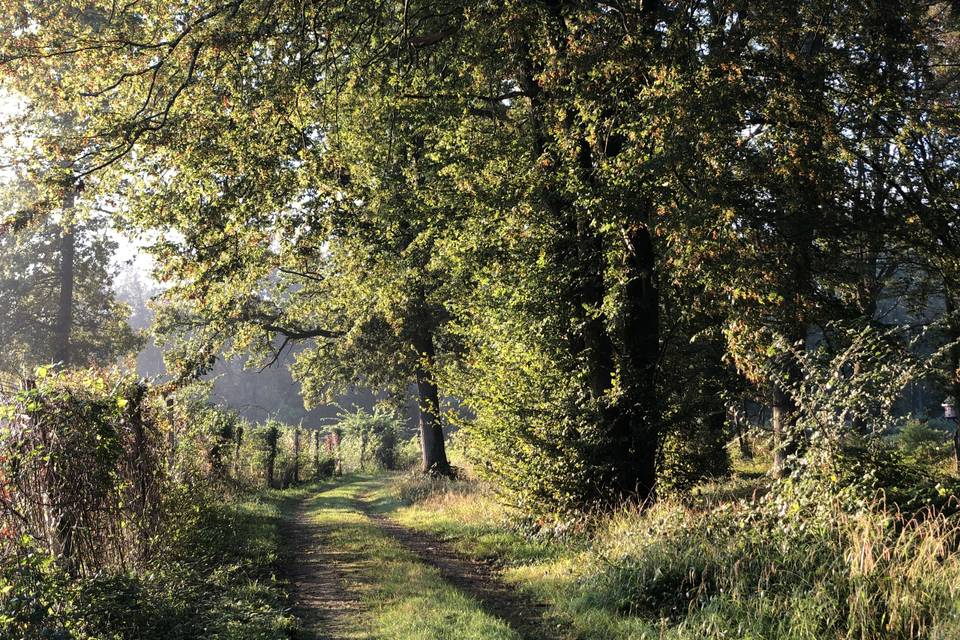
(723, 565)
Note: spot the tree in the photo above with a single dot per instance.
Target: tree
(508, 200)
(796, 219)
(38, 323)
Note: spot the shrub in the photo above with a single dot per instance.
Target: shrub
(824, 554)
(80, 468)
(370, 439)
(409, 454)
(692, 455)
(213, 579)
(924, 442)
(109, 531)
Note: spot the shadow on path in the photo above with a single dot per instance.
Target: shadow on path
(330, 560)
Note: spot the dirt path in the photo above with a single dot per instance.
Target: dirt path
(320, 578)
(477, 579)
(326, 579)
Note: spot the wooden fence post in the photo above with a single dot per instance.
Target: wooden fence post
(236, 457)
(296, 455)
(273, 434)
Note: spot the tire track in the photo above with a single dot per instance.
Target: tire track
(479, 580)
(322, 578)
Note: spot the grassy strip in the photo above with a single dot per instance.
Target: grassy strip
(403, 599)
(475, 525)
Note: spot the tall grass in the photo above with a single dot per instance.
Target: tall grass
(793, 563)
(739, 570)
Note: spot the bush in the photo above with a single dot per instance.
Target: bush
(116, 522)
(825, 554)
(690, 456)
(213, 579)
(83, 450)
(370, 439)
(409, 454)
(924, 442)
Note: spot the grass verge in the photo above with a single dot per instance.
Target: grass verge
(722, 566)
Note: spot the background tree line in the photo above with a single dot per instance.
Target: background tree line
(598, 224)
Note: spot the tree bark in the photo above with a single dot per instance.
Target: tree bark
(784, 412)
(953, 331)
(273, 435)
(61, 346)
(597, 345)
(431, 430)
(636, 419)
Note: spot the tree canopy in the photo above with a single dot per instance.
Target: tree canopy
(575, 217)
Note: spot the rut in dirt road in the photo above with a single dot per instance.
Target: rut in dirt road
(476, 579)
(321, 578)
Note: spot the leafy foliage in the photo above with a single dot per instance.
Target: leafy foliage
(372, 440)
(923, 442)
(29, 298)
(105, 534)
(82, 469)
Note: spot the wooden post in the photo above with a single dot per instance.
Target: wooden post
(236, 457)
(296, 455)
(338, 469)
(273, 434)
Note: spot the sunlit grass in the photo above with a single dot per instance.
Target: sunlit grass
(691, 569)
(402, 597)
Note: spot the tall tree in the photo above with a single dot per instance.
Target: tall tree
(32, 304)
(498, 199)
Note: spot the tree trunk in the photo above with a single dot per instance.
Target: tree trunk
(273, 435)
(785, 410)
(363, 450)
(171, 435)
(636, 425)
(799, 230)
(590, 292)
(784, 413)
(953, 331)
(338, 452)
(632, 420)
(61, 346)
(431, 430)
(236, 453)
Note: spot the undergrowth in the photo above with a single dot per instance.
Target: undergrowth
(214, 578)
(860, 543)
